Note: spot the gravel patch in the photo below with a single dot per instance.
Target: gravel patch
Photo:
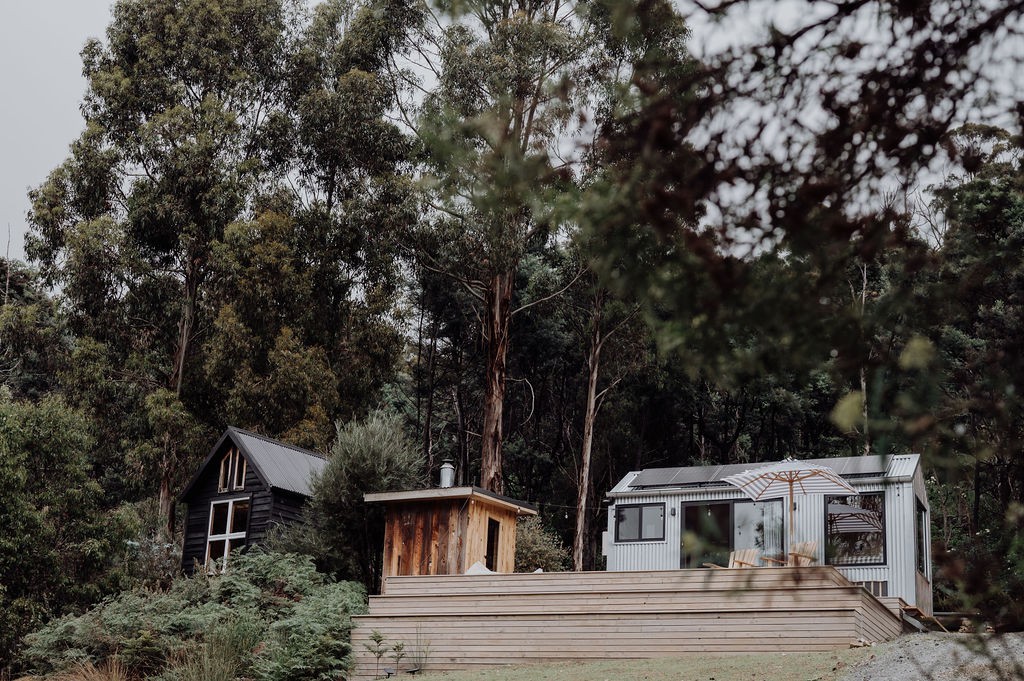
(943, 657)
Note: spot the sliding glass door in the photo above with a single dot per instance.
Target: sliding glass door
(711, 530)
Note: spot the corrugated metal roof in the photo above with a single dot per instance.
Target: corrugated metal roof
(282, 466)
(900, 466)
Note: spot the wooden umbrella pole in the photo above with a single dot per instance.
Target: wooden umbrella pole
(792, 511)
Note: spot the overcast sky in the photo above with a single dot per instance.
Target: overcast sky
(42, 85)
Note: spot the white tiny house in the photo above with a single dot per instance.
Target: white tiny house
(671, 518)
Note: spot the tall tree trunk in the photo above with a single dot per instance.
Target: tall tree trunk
(497, 321)
(864, 409)
(185, 324)
(428, 437)
(166, 502)
(169, 460)
(863, 369)
(461, 446)
(589, 418)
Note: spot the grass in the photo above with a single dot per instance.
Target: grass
(825, 666)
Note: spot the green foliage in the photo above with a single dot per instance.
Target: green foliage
(313, 641)
(59, 550)
(538, 547)
(34, 339)
(272, 617)
(344, 533)
(225, 243)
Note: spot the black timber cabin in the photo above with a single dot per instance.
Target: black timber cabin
(248, 483)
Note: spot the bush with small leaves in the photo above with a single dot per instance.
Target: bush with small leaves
(538, 547)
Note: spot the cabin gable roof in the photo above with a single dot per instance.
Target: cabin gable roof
(278, 465)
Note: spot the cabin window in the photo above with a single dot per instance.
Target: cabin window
(921, 527)
(855, 529)
(639, 522)
(232, 471)
(228, 523)
(240, 469)
(225, 472)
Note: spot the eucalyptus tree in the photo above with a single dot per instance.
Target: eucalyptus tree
(505, 113)
(613, 341)
(305, 293)
(974, 317)
(180, 110)
(200, 114)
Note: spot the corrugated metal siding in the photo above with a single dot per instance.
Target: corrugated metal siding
(646, 555)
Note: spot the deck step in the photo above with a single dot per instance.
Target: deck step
(471, 622)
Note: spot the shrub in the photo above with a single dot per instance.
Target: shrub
(538, 547)
(344, 533)
(312, 643)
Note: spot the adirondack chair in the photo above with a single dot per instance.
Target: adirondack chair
(801, 554)
(740, 558)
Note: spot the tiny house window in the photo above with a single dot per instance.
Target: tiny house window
(228, 523)
(921, 525)
(639, 522)
(711, 530)
(855, 529)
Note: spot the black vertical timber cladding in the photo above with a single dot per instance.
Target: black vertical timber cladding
(267, 506)
(287, 507)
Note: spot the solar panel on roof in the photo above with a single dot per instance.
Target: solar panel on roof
(654, 477)
(862, 465)
(855, 466)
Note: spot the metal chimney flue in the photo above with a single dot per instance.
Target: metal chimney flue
(447, 473)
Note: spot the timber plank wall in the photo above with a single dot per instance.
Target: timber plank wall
(471, 622)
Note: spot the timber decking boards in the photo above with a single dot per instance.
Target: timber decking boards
(470, 622)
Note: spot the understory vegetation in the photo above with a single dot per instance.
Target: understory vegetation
(273, 617)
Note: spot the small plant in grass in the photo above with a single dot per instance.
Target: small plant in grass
(420, 650)
(397, 653)
(378, 649)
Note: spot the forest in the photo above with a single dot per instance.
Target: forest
(545, 239)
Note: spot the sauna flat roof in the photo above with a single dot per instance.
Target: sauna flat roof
(438, 493)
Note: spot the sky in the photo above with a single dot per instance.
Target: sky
(41, 80)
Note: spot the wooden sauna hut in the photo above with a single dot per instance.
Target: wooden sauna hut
(445, 530)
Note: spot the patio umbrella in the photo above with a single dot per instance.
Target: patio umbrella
(789, 477)
(846, 518)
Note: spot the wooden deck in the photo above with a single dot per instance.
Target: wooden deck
(471, 622)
